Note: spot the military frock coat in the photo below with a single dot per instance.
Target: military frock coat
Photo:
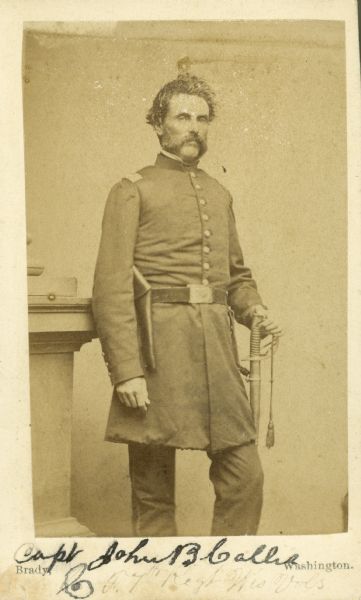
(176, 225)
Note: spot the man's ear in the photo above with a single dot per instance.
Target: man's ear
(158, 129)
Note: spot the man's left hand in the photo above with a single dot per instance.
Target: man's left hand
(268, 325)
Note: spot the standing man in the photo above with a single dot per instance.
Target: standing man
(174, 224)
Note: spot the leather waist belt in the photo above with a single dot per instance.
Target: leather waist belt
(190, 294)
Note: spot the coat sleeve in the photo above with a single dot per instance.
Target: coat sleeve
(113, 296)
(242, 290)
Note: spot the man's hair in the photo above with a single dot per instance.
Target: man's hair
(184, 84)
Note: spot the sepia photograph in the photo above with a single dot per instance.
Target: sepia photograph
(185, 185)
(186, 355)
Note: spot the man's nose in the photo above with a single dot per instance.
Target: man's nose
(194, 126)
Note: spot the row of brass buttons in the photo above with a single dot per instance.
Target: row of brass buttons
(206, 233)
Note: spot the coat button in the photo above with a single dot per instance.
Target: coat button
(205, 217)
(202, 201)
(197, 186)
(207, 233)
(192, 174)
(205, 281)
(206, 266)
(206, 249)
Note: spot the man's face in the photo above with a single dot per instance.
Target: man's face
(185, 128)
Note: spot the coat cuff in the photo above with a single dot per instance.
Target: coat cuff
(242, 303)
(247, 315)
(127, 369)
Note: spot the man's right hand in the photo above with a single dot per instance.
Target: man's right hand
(133, 393)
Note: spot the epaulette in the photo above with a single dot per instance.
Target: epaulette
(133, 177)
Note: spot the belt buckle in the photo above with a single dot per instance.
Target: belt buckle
(200, 294)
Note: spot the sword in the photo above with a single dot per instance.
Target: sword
(255, 371)
(255, 380)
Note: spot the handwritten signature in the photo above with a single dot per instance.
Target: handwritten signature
(76, 586)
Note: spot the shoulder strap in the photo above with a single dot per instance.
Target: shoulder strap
(133, 177)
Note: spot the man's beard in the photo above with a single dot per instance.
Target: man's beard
(173, 148)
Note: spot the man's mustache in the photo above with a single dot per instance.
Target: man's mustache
(193, 138)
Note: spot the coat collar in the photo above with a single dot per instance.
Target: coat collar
(164, 161)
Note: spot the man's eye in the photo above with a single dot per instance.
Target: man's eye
(203, 119)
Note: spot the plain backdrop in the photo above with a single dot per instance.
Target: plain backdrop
(279, 144)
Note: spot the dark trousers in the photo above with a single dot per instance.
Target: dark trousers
(236, 475)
